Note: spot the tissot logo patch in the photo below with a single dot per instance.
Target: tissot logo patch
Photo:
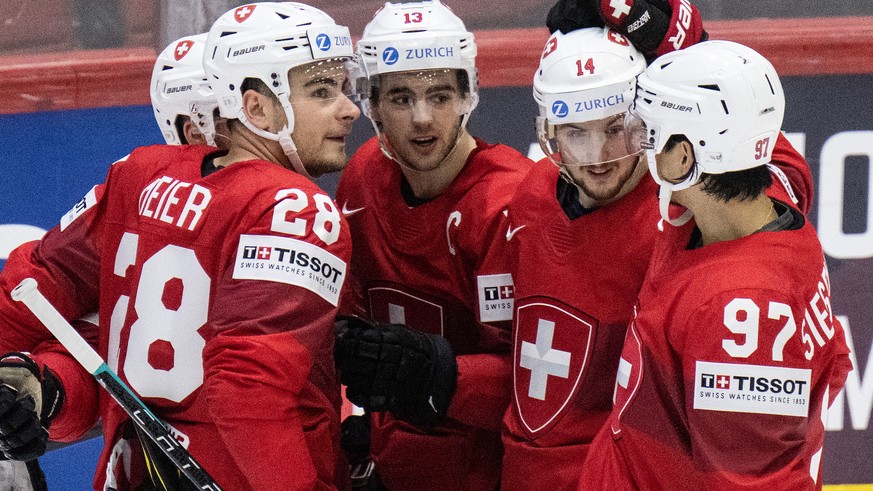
(291, 261)
(496, 297)
(751, 389)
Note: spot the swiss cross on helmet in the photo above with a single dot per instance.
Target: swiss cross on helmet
(179, 88)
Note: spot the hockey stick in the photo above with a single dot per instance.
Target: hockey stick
(27, 293)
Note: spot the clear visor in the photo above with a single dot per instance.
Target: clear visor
(324, 81)
(592, 142)
(421, 94)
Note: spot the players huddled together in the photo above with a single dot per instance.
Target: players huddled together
(629, 312)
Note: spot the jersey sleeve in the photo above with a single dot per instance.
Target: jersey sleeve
(751, 378)
(484, 379)
(65, 264)
(79, 412)
(270, 363)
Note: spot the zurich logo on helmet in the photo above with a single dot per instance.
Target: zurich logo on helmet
(390, 56)
(560, 109)
(323, 42)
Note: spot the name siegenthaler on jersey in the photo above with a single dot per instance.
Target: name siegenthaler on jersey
(290, 261)
(751, 389)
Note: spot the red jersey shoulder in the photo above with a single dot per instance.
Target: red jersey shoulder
(367, 169)
(792, 181)
(535, 194)
(490, 179)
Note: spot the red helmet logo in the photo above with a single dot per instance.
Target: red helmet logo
(243, 13)
(182, 49)
(551, 46)
(617, 38)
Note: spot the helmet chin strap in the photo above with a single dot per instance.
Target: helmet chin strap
(665, 192)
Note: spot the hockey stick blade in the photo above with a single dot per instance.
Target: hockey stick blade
(27, 292)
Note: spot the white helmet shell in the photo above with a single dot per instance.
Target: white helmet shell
(179, 88)
(724, 97)
(264, 41)
(586, 75)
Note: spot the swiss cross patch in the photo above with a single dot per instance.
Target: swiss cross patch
(617, 9)
(551, 46)
(618, 38)
(243, 13)
(552, 347)
(182, 49)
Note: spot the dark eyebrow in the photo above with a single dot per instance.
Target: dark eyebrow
(440, 88)
(430, 90)
(321, 81)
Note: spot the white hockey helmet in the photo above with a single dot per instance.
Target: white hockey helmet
(264, 41)
(724, 97)
(586, 75)
(179, 88)
(417, 36)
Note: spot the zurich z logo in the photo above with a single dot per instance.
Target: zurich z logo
(560, 109)
(323, 42)
(390, 56)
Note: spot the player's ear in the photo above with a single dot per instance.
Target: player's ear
(192, 134)
(260, 110)
(687, 156)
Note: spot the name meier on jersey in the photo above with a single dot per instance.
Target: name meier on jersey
(290, 261)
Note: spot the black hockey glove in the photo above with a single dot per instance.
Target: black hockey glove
(654, 27)
(389, 367)
(568, 15)
(29, 399)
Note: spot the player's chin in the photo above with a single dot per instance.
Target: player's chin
(333, 163)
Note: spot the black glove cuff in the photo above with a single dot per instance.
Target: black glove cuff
(53, 396)
(445, 376)
(645, 26)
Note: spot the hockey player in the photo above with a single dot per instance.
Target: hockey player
(424, 201)
(734, 354)
(179, 93)
(581, 231)
(219, 274)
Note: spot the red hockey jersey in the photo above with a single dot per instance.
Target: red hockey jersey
(728, 368)
(576, 282)
(217, 297)
(431, 267)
